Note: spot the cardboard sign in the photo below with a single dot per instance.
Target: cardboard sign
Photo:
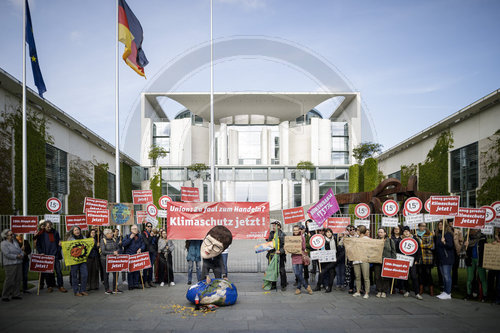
(190, 194)
(390, 222)
(324, 255)
(121, 213)
(491, 258)
(444, 205)
(139, 261)
(293, 244)
(98, 217)
(42, 263)
(338, 224)
(142, 197)
(245, 220)
(324, 208)
(293, 215)
(24, 224)
(364, 249)
(141, 216)
(395, 269)
(76, 220)
(92, 203)
(151, 220)
(470, 218)
(358, 223)
(117, 263)
(54, 218)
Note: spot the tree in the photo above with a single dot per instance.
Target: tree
(365, 150)
(198, 169)
(156, 152)
(490, 190)
(304, 168)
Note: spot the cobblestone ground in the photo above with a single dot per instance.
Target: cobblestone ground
(166, 309)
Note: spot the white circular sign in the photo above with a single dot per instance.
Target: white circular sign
(427, 205)
(317, 241)
(152, 210)
(408, 246)
(390, 208)
(362, 211)
(490, 214)
(53, 205)
(164, 199)
(496, 207)
(413, 205)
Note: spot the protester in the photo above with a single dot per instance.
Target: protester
(93, 263)
(26, 248)
(396, 238)
(424, 267)
(44, 277)
(109, 246)
(165, 267)
(474, 262)
(445, 256)
(362, 269)
(382, 283)
(119, 239)
(276, 230)
(297, 264)
(225, 255)
(349, 267)
(340, 265)
(78, 270)
(496, 273)
(12, 259)
(49, 243)
(193, 257)
(151, 245)
(327, 267)
(305, 232)
(133, 244)
(458, 240)
(413, 268)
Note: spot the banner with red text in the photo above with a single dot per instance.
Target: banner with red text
(41, 263)
(24, 224)
(142, 197)
(444, 205)
(139, 261)
(293, 215)
(92, 203)
(117, 263)
(76, 220)
(338, 224)
(98, 217)
(245, 220)
(470, 217)
(395, 269)
(190, 194)
(324, 208)
(141, 216)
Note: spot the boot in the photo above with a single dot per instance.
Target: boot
(431, 290)
(421, 290)
(318, 288)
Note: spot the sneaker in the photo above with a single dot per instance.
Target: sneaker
(189, 283)
(444, 296)
(117, 291)
(440, 294)
(383, 295)
(108, 292)
(366, 296)
(297, 291)
(356, 294)
(125, 282)
(151, 284)
(379, 294)
(162, 284)
(418, 296)
(406, 294)
(309, 290)
(172, 283)
(63, 290)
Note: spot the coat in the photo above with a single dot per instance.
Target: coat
(445, 253)
(132, 245)
(10, 251)
(45, 246)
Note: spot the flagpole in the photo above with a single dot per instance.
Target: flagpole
(117, 117)
(212, 126)
(25, 136)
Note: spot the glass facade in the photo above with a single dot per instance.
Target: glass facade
(161, 138)
(340, 143)
(464, 173)
(56, 166)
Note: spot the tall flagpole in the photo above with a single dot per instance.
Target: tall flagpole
(25, 136)
(212, 126)
(117, 117)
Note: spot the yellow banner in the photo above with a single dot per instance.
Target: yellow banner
(76, 251)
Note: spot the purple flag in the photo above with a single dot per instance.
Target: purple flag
(324, 208)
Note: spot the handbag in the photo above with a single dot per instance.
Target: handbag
(306, 260)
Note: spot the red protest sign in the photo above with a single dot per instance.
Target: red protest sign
(98, 217)
(293, 215)
(92, 203)
(76, 220)
(41, 263)
(141, 216)
(444, 205)
(470, 218)
(142, 197)
(338, 224)
(490, 214)
(395, 269)
(139, 261)
(164, 200)
(190, 194)
(245, 220)
(117, 263)
(24, 224)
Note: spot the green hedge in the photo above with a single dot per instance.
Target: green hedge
(155, 186)
(433, 173)
(126, 182)
(370, 174)
(80, 185)
(406, 172)
(101, 181)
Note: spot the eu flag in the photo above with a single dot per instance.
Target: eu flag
(30, 39)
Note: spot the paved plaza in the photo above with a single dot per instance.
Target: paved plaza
(166, 309)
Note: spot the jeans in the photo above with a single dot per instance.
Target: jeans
(340, 271)
(224, 260)
(82, 269)
(298, 269)
(446, 273)
(134, 279)
(190, 270)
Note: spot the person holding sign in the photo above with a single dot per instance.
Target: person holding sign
(297, 264)
(49, 243)
(109, 246)
(133, 244)
(474, 261)
(12, 259)
(413, 269)
(327, 267)
(383, 283)
(79, 272)
(362, 269)
(445, 256)
(496, 273)
(276, 229)
(424, 267)
(26, 248)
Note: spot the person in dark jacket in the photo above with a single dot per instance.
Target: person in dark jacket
(193, 257)
(26, 248)
(48, 243)
(151, 244)
(276, 228)
(383, 283)
(474, 261)
(340, 267)
(133, 244)
(109, 246)
(445, 257)
(93, 263)
(79, 272)
(413, 269)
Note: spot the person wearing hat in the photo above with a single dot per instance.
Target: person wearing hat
(276, 229)
(413, 269)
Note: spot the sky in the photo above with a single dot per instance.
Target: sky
(413, 62)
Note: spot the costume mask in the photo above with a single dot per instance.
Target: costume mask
(216, 241)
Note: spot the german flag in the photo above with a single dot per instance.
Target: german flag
(130, 34)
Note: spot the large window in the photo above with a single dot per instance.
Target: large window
(56, 166)
(464, 173)
(172, 189)
(251, 191)
(340, 142)
(161, 138)
(249, 145)
(111, 187)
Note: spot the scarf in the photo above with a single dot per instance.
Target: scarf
(420, 233)
(52, 239)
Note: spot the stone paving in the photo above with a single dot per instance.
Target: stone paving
(166, 309)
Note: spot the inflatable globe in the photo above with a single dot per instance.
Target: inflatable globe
(219, 292)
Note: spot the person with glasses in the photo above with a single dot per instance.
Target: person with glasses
(215, 242)
(12, 259)
(151, 244)
(276, 229)
(133, 244)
